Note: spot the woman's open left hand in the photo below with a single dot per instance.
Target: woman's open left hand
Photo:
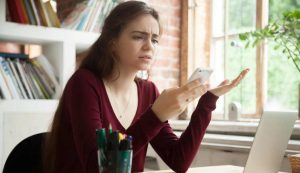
(227, 85)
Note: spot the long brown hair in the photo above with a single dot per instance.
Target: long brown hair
(100, 58)
(101, 61)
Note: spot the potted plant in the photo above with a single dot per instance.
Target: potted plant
(286, 35)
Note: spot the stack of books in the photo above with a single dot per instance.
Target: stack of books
(24, 78)
(33, 12)
(89, 15)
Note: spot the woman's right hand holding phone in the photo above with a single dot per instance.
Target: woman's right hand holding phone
(172, 102)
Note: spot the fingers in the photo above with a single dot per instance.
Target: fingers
(226, 85)
(191, 85)
(237, 80)
(194, 93)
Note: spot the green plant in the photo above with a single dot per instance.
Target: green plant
(285, 32)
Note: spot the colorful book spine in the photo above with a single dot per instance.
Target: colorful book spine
(52, 15)
(35, 12)
(24, 12)
(17, 79)
(29, 12)
(4, 85)
(24, 80)
(9, 78)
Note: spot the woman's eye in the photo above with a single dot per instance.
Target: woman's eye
(154, 41)
(138, 37)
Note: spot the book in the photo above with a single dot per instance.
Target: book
(23, 79)
(9, 78)
(14, 11)
(17, 79)
(29, 12)
(14, 55)
(37, 86)
(24, 90)
(99, 7)
(105, 10)
(35, 12)
(73, 19)
(47, 69)
(44, 11)
(24, 12)
(95, 12)
(43, 81)
(30, 82)
(87, 15)
(41, 14)
(52, 14)
(4, 87)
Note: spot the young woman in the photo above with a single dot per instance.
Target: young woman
(105, 90)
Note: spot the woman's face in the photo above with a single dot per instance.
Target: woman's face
(137, 43)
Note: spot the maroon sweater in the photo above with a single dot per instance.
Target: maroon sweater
(86, 107)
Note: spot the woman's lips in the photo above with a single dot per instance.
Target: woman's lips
(145, 57)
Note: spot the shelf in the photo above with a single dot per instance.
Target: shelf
(16, 32)
(22, 118)
(23, 106)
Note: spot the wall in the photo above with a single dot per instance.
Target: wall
(165, 71)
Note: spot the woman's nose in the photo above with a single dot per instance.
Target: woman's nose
(148, 45)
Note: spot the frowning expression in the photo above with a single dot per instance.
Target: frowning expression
(137, 43)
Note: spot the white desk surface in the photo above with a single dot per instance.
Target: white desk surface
(209, 169)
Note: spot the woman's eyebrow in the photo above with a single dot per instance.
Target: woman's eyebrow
(144, 33)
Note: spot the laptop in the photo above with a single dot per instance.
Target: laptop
(270, 142)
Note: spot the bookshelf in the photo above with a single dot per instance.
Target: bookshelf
(22, 118)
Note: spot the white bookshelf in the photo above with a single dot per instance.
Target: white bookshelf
(22, 118)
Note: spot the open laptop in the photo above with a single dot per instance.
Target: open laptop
(268, 148)
(270, 142)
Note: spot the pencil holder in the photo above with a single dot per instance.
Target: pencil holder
(295, 163)
(114, 152)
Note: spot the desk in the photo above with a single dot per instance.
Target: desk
(209, 169)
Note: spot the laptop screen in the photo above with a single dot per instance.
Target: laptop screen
(270, 142)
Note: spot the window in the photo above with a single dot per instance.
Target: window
(266, 86)
(229, 19)
(281, 71)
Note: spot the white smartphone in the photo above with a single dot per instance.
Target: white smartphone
(202, 74)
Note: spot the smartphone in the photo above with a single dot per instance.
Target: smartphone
(202, 74)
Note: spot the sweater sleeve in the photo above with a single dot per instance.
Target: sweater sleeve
(84, 114)
(170, 148)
